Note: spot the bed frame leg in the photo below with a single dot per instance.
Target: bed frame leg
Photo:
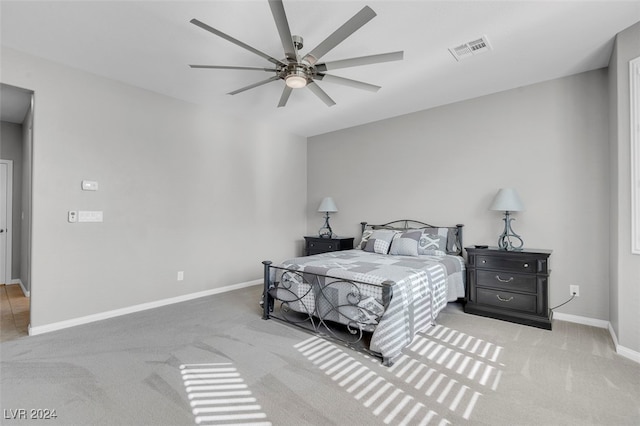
(266, 298)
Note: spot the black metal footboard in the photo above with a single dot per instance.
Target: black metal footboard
(340, 309)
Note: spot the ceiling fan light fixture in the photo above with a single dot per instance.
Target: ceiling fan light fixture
(300, 72)
(296, 80)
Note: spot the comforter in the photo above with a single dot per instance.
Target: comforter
(421, 287)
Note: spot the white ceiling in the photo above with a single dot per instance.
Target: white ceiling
(149, 44)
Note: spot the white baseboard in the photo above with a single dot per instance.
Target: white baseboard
(136, 308)
(17, 281)
(24, 290)
(581, 320)
(620, 350)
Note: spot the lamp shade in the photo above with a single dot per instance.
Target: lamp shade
(327, 205)
(507, 200)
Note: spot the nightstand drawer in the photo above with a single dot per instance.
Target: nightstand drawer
(322, 246)
(506, 280)
(506, 263)
(318, 245)
(507, 300)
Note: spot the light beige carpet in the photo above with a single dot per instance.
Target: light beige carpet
(214, 361)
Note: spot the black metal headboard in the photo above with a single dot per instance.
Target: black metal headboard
(454, 233)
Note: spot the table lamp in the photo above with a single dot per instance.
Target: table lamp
(327, 206)
(507, 201)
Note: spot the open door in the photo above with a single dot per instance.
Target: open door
(6, 195)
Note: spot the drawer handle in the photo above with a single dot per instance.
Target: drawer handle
(504, 281)
(504, 300)
(330, 246)
(526, 265)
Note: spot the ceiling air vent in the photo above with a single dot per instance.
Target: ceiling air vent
(470, 48)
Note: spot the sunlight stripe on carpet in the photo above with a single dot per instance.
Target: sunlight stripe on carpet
(218, 395)
(384, 398)
(462, 341)
(442, 365)
(474, 369)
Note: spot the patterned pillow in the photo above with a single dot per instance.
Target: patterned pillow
(406, 243)
(379, 241)
(430, 241)
(366, 234)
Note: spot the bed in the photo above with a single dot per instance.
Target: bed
(376, 297)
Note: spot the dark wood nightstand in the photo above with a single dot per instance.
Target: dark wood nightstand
(509, 285)
(317, 245)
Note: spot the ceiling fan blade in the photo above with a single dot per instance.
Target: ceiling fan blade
(285, 96)
(347, 82)
(251, 86)
(362, 60)
(321, 94)
(352, 25)
(235, 41)
(225, 67)
(277, 10)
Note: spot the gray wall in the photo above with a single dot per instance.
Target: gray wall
(444, 165)
(11, 135)
(182, 188)
(625, 267)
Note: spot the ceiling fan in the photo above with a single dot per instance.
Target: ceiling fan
(303, 71)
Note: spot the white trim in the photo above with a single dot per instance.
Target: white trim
(628, 353)
(634, 96)
(581, 320)
(136, 308)
(24, 290)
(621, 350)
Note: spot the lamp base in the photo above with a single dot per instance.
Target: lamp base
(325, 231)
(505, 239)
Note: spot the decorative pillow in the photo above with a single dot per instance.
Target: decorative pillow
(452, 241)
(406, 243)
(379, 241)
(429, 240)
(366, 234)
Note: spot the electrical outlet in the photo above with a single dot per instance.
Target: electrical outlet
(180, 275)
(574, 289)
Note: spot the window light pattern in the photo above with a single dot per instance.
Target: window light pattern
(218, 395)
(444, 372)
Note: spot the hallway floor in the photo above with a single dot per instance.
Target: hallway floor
(14, 313)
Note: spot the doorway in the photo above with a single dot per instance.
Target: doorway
(16, 142)
(6, 208)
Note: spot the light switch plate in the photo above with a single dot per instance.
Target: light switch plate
(90, 216)
(89, 185)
